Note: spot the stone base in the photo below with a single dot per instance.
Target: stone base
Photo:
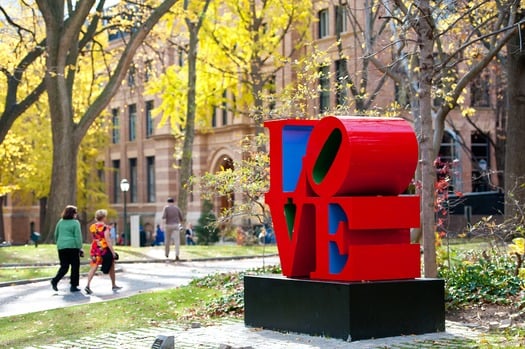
(346, 310)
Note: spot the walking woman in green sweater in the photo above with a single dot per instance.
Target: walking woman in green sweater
(68, 238)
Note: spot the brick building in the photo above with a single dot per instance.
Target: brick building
(145, 154)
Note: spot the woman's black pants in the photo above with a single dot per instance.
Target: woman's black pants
(68, 256)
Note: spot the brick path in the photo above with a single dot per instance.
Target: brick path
(234, 335)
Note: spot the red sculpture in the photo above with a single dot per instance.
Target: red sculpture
(335, 198)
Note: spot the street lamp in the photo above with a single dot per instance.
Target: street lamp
(124, 186)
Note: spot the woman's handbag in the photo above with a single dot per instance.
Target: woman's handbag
(107, 261)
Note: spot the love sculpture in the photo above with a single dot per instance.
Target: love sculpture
(342, 227)
(335, 200)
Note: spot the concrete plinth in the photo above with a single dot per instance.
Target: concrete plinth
(346, 310)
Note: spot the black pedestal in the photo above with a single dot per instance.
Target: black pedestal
(345, 310)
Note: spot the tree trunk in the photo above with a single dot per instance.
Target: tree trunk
(189, 130)
(62, 48)
(428, 177)
(59, 93)
(63, 181)
(258, 103)
(514, 154)
(65, 151)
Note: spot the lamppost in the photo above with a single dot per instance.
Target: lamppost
(124, 186)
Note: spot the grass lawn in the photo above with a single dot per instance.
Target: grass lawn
(143, 310)
(47, 254)
(123, 314)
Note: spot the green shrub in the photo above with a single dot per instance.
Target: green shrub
(480, 277)
(206, 228)
(231, 285)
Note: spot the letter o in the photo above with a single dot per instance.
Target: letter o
(361, 156)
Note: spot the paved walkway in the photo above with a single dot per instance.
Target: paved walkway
(140, 277)
(133, 277)
(234, 335)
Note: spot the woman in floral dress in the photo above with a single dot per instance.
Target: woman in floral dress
(100, 247)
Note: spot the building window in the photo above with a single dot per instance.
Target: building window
(400, 95)
(480, 92)
(132, 75)
(182, 54)
(115, 34)
(116, 181)
(323, 23)
(480, 149)
(119, 13)
(101, 175)
(342, 82)
(448, 155)
(341, 24)
(110, 13)
(133, 180)
(224, 108)
(115, 129)
(148, 70)
(324, 86)
(132, 127)
(149, 119)
(448, 8)
(214, 117)
(271, 90)
(150, 178)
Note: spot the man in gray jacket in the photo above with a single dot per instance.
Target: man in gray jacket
(172, 218)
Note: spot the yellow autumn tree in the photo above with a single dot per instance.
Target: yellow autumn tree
(14, 152)
(238, 58)
(243, 43)
(67, 31)
(33, 129)
(239, 53)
